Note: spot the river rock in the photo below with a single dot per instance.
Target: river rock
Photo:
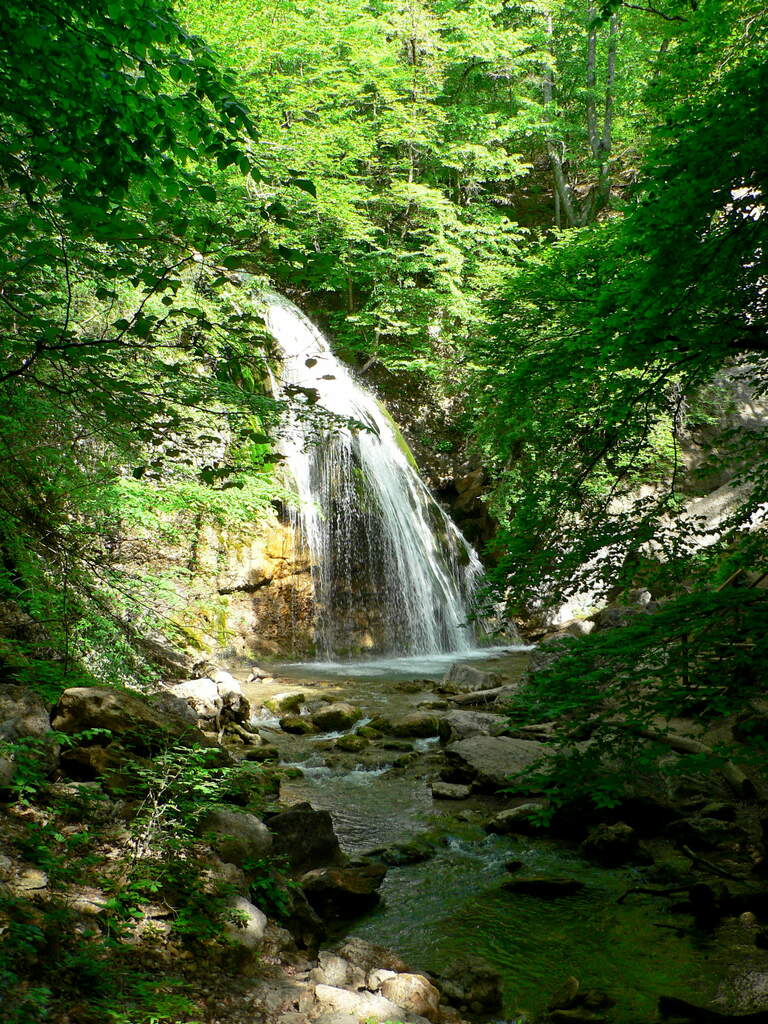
(467, 679)
(413, 725)
(236, 836)
(362, 1006)
(202, 695)
(266, 752)
(520, 820)
(22, 713)
(249, 924)
(611, 845)
(337, 972)
(488, 761)
(336, 717)
(169, 703)
(139, 725)
(460, 725)
(305, 837)
(297, 724)
(376, 978)
(414, 993)
(235, 704)
(546, 887)
(368, 956)
(351, 744)
(449, 791)
(285, 703)
(341, 892)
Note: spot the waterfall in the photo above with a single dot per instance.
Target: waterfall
(391, 571)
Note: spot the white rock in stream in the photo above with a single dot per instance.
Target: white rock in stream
(364, 1006)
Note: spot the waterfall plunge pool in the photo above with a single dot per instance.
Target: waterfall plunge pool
(414, 666)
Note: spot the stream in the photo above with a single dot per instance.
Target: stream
(450, 907)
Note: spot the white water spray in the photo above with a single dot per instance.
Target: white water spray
(391, 571)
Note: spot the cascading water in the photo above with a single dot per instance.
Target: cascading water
(391, 571)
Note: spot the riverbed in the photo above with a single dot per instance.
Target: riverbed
(439, 912)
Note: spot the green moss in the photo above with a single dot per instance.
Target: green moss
(402, 444)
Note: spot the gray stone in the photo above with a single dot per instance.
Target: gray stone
(341, 892)
(22, 713)
(245, 934)
(705, 833)
(414, 993)
(172, 704)
(202, 695)
(488, 761)
(467, 679)
(519, 820)
(285, 703)
(305, 837)
(449, 791)
(334, 970)
(237, 836)
(362, 1006)
(377, 977)
(249, 926)
(460, 725)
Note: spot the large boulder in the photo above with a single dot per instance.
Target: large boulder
(467, 679)
(247, 924)
(342, 892)
(460, 725)
(22, 713)
(414, 993)
(336, 717)
(488, 761)
(413, 725)
(23, 716)
(360, 1006)
(305, 837)
(235, 836)
(202, 695)
(139, 725)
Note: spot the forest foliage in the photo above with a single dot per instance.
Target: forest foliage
(549, 213)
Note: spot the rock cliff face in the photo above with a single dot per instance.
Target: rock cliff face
(236, 592)
(263, 578)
